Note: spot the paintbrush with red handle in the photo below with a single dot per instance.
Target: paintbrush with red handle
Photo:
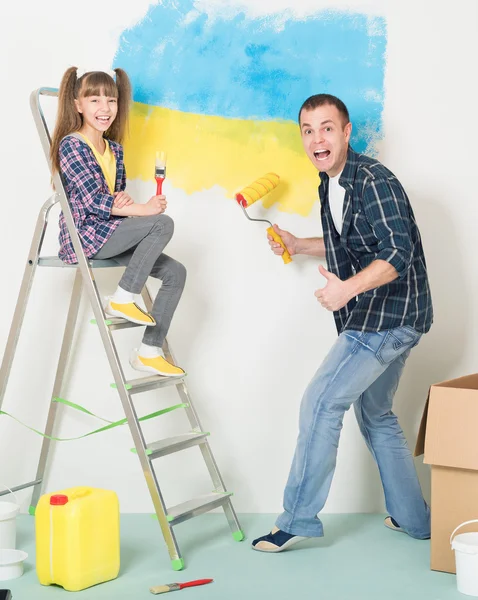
(160, 171)
(172, 587)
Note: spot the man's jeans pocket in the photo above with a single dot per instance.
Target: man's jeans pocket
(395, 342)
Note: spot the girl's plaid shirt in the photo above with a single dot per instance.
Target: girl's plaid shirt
(89, 196)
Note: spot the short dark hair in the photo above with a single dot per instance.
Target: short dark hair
(322, 100)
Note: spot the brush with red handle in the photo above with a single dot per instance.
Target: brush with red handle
(160, 171)
(172, 587)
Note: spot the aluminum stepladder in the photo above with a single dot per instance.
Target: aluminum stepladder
(147, 453)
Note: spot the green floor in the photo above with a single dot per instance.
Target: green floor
(358, 559)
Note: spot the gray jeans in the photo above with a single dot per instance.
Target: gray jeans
(138, 244)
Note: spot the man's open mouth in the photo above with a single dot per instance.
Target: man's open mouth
(321, 154)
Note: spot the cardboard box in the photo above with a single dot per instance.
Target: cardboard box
(448, 438)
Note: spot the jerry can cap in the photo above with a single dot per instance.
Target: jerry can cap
(58, 499)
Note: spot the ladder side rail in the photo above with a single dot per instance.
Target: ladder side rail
(191, 411)
(205, 447)
(24, 294)
(63, 361)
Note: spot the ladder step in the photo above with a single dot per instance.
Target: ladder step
(20, 487)
(145, 384)
(119, 323)
(54, 261)
(175, 444)
(197, 506)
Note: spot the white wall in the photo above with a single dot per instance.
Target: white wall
(247, 367)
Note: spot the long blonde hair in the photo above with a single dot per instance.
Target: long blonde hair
(93, 83)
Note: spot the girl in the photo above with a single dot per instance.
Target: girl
(92, 119)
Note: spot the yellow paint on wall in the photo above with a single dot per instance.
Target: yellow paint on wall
(205, 151)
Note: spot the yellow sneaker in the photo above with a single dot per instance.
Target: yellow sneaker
(130, 311)
(158, 365)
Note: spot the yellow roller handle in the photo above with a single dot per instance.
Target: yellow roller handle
(286, 257)
(258, 189)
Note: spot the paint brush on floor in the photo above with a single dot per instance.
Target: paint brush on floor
(173, 587)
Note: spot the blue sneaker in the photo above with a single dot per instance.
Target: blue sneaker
(276, 541)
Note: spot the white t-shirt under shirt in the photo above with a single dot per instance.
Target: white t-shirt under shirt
(336, 201)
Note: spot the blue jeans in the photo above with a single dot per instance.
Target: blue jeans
(362, 369)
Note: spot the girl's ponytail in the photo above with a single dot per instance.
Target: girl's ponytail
(118, 129)
(68, 118)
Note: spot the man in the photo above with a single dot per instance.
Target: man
(377, 288)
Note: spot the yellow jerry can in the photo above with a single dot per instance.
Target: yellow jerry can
(77, 538)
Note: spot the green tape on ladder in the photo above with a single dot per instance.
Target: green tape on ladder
(32, 510)
(111, 424)
(169, 518)
(115, 387)
(107, 322)
(147, 451)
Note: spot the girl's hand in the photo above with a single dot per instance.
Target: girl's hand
(156, 205)
(122, 199)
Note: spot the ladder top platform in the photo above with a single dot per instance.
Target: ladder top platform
(54, 261)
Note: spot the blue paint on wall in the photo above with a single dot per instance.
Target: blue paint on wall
(246, 68)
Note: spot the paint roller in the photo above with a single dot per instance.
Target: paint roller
(254, 192)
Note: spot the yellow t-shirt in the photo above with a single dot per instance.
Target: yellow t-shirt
(107, 162)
